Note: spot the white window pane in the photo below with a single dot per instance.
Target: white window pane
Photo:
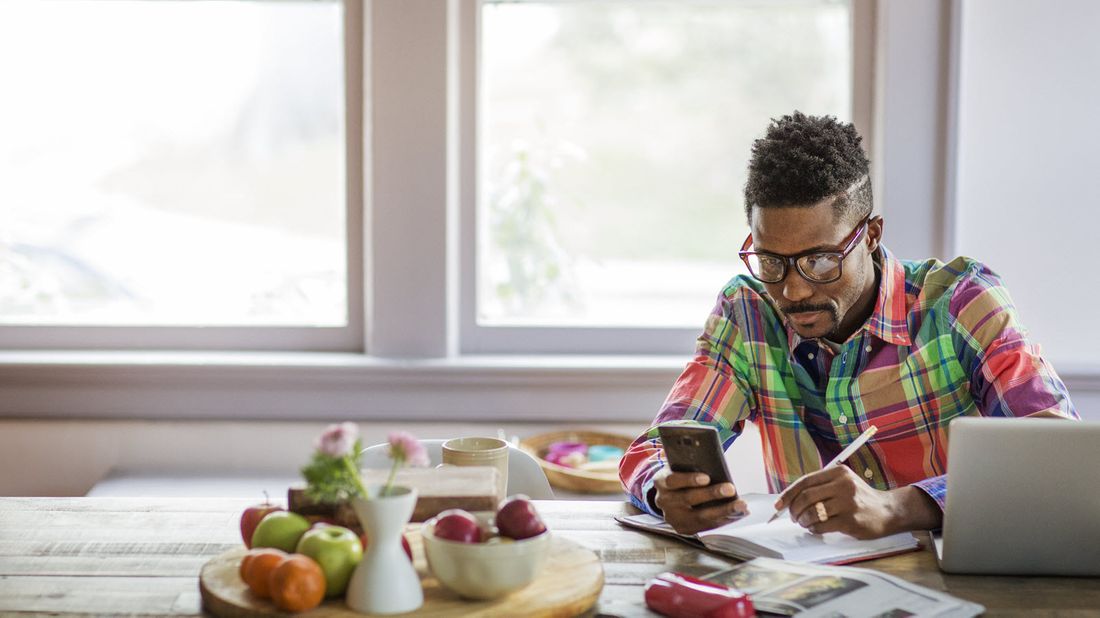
(615, 140)
(172, 163)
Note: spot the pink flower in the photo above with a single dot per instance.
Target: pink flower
(338, 440)
(404, 447)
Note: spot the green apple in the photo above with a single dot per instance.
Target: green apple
(280, 530)
(337, 550)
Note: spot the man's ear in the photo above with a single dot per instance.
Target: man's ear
(874, 233)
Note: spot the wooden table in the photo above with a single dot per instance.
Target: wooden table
(140, 556)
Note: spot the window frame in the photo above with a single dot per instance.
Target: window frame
(478, 339)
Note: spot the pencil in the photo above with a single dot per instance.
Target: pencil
(839, 459)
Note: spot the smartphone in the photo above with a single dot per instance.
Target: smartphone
(696, 449)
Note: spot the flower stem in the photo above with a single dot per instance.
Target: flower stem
(355, 477)
(393, 474)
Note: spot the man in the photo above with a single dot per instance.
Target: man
(831, 334)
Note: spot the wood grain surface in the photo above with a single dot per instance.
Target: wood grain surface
(568, 585)
(143, 556)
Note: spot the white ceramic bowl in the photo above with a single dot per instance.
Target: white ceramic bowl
(484, 570)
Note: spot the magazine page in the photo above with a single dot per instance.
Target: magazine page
(809, 590)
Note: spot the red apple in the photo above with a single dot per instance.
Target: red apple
(457, 525)
(317, 521)
(251, 518)
(404, 545)
(517, 518)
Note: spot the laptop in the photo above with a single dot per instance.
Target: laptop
(1023, 497)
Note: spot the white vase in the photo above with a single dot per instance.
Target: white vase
(385, 581)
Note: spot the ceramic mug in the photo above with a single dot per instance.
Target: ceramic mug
(492, 452)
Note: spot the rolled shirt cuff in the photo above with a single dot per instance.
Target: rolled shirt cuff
(936, 488)
(644, 499)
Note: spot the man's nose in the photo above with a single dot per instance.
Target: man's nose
(795, 288)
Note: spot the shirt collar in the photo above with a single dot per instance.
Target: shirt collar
(888, 321)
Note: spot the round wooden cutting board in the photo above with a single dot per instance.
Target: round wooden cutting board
(568, 584)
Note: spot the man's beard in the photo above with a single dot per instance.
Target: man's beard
(827, 308)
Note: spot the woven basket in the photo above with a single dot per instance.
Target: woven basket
(573, 479)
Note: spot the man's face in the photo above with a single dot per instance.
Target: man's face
(832, 310)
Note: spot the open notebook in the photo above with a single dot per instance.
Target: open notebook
(751, 537)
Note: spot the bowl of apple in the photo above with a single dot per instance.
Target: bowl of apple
(486, 555)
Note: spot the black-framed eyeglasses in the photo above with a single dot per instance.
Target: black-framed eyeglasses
(813, 266)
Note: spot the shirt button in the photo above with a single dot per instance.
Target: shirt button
(867, 473)
(810, 356)
(868, 348)
(843, 419)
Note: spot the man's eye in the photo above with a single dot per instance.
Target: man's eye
(819, 263)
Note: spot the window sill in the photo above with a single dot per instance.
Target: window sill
(26, 363)
(298, 386)
(317, 386)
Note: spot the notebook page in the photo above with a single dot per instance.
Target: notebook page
(751, 536)
(790, 541)
(761, 508)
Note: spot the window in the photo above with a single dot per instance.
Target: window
(613, 144)
(175, 164)
(191, 175)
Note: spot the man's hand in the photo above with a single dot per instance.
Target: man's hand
(679, 495)
(855, 508)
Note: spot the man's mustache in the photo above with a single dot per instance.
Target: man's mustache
(807, 308)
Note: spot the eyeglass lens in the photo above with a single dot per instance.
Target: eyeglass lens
(815, 267)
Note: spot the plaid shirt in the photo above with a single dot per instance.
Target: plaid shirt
(943, 341)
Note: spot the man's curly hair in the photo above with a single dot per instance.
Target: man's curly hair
(802, 160)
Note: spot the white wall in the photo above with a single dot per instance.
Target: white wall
(1028, 189)
(66, 458)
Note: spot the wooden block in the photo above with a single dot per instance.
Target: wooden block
(340, 514)
(472, 488)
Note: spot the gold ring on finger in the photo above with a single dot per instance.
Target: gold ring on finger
(822, 515)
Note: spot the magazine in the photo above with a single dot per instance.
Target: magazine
(752, 537)
(810, 591)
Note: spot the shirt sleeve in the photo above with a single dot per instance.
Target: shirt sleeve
(1008, 375)
(714, 389)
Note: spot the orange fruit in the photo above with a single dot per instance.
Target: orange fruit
(247, 560)
(257, 567)
(244, 564)
(297, 584)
